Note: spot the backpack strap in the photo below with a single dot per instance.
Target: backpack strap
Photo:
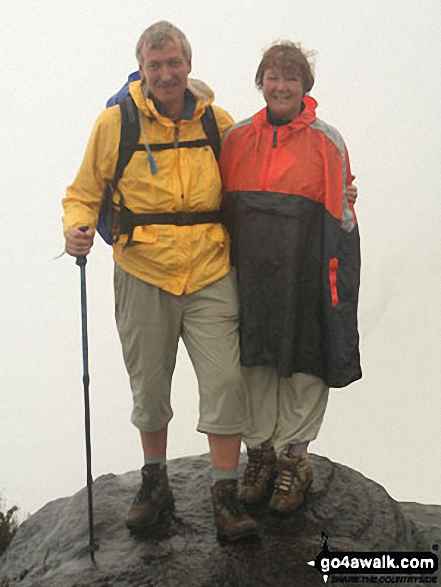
(129, 143)
(130, 132)
(211, 129)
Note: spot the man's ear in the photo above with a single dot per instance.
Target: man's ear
(141, 73)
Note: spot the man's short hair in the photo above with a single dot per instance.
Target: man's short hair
(159, 34)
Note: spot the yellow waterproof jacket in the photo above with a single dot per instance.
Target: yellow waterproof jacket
(178, 259)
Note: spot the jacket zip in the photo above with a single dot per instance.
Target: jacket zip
(176, 145)
(266, 173)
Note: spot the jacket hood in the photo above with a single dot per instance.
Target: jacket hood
(304, 119)
(201, 91)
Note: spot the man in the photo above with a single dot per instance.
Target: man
(172, 275)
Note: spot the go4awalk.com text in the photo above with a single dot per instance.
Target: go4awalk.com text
(377, 568)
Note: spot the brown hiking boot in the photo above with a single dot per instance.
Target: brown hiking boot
(153, 498)
(294, 478)
(259, 475)
(231, 521)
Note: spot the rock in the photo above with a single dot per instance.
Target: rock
(427, 520)
(51, 547)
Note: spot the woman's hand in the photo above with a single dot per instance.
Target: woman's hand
(351, 193)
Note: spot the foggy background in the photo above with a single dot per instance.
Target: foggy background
(378, 80)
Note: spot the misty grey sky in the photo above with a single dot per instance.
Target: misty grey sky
(378, 80)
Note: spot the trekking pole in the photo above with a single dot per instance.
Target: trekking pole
(81, 262)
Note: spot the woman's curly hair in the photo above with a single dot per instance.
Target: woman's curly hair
(288, 56)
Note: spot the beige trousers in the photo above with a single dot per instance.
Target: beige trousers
(286, 409)
(150, 322)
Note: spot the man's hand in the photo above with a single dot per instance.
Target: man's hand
(351, 193)
(79, 243)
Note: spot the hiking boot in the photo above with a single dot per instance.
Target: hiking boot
(259, 475)
(154, 497)
(294, 478)
(231, 521)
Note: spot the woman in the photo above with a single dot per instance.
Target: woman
(295, 244)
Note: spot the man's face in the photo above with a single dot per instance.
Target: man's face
(166, 72)
(283, 92)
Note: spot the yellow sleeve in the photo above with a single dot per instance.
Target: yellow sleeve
(83, 198)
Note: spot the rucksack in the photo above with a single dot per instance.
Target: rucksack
(120, 220)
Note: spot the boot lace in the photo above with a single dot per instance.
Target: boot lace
(231, 503)
(148, 486)
(253, 469)
(285, 480)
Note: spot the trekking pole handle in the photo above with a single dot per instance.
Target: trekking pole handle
(81, 261)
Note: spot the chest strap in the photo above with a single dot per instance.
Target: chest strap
(154, 147)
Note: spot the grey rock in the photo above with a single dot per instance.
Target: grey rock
(51, 547)
(427, 520)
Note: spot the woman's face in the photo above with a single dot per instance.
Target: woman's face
(283, 92)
